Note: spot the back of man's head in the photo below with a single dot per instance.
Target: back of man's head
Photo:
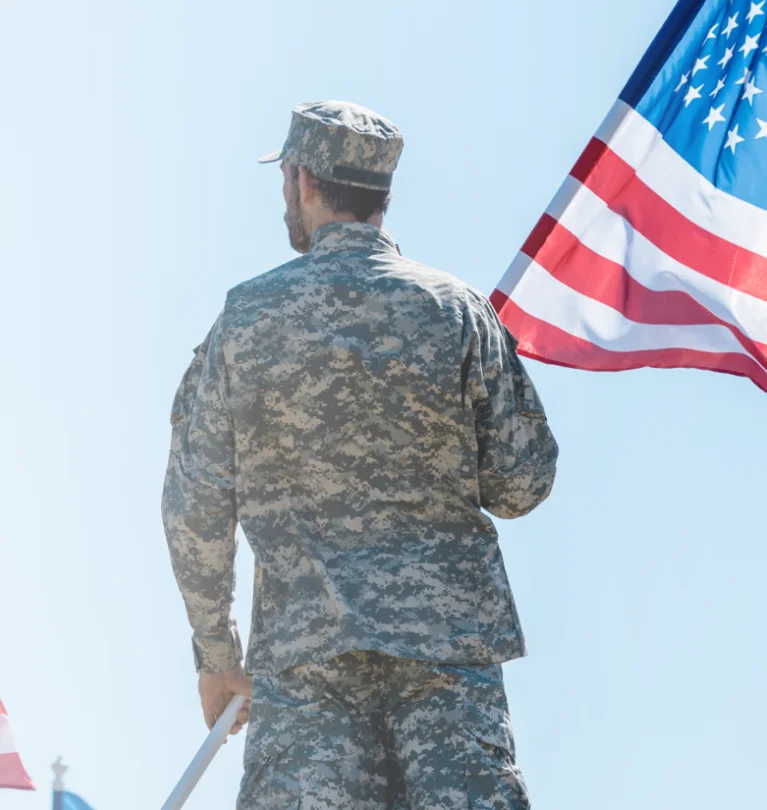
(361, 203)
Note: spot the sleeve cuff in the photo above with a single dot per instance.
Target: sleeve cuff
(217, 653)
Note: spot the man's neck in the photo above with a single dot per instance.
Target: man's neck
(325, 217)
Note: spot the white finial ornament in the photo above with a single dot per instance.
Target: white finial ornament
(59, 768)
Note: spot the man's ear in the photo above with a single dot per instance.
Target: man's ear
(306, 185)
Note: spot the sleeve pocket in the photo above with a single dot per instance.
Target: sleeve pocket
(187, 390)
(528, 403)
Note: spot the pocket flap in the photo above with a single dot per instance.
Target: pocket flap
(264, 744)
(187, 390)
(490, 725)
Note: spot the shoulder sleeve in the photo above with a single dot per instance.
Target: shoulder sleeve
(198, 505)
(516, 451)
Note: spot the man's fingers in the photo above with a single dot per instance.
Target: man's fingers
(212, 715)
(216, 692)
(213, 709)
(240, 683)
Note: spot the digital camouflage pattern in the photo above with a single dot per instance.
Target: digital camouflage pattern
(354, 410)
(366, 731)
(342, 142)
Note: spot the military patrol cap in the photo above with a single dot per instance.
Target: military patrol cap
(342, 142)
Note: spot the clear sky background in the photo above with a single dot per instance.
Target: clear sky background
(131, 201)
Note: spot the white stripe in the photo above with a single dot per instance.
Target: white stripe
(566, 196)
(513, 275)
(612, 237)
(587, 217)
(641, 145)
(544, 297)
(7, 743)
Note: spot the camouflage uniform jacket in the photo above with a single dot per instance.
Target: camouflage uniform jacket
(353, 411)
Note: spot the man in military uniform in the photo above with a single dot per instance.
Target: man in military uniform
(355, 412)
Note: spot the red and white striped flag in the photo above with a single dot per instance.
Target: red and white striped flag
(654, 252)
(12, 773)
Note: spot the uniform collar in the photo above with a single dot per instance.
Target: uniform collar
(352, 236)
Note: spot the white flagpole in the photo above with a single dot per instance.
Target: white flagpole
(205, 755)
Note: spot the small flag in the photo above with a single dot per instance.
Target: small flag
(12, 773)
(654, 251)
(63, 800)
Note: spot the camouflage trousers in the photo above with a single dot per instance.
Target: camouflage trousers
(367, 731)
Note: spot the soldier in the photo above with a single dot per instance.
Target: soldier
(355, 412)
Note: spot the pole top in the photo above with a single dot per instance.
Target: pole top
(59, 768)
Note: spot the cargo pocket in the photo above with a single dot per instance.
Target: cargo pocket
(493, 781)
(271, 779)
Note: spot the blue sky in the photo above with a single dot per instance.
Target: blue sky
(130, 201)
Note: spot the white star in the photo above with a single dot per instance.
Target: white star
(692, 94)
(682, 82)
(746, 76)
(719, 86)
(751, 44)
(728, 54)
(762, 128)
(751, 91)
(733, 139)
(700, 64)
(714, 117)
(755, 11)
(712, 33)
(732, 24)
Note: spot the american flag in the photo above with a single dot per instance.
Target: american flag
(12, 773)
(654, 251)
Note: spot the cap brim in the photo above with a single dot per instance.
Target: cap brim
(271, 158)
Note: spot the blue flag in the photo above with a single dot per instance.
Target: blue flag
(63, 800)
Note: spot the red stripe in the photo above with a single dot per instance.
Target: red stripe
(539, 235)
(616, 182)
(12, 773)
(542, 341)
(580, 268)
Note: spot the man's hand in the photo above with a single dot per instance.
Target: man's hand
(217, 689)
